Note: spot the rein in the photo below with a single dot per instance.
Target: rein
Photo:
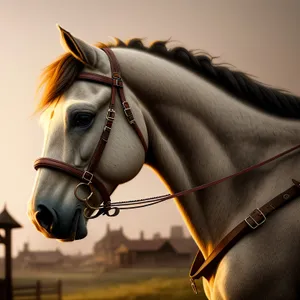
(139, 203)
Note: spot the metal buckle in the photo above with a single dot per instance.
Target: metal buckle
(130, 117)
(88, 179)
(108, 116)
(193, 285)
(117, 80)
(257, 223)
(106, 128)
(124, 105)
(116, 75)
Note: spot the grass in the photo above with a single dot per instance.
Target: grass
(121, 284)
(153, 289)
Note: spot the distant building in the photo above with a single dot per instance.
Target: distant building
(177, 232)
(27, 259)
(104, 250)
(117, 250)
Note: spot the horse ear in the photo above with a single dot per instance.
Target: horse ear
(82, 51)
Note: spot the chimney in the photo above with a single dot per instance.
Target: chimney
(177, 232)
(157, 236)
(142, 235)
(26, 247)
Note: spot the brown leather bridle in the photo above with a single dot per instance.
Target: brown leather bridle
(200, 266)
(88, 177)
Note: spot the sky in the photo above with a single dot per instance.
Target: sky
(258, 37)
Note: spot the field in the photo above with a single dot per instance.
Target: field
(126, 284)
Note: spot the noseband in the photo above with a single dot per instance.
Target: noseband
(88, 177)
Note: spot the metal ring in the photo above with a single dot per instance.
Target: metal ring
(89, 217)
(94, 216)
(88, 197)
(92, 207)
(115, 213)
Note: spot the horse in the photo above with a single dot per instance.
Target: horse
(193, 122)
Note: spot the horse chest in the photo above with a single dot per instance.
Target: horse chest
(262, 265)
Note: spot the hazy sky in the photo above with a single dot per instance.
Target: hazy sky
(258, 37)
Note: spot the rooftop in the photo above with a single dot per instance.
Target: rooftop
(7, 221)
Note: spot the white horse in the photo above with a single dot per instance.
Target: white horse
(200, 122)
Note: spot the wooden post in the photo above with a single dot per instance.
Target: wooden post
(8, 273)
(38, 290)
(7, 223)
(59, 290)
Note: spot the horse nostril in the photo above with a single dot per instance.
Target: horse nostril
(45, 218)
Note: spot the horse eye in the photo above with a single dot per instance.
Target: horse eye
(83, 120)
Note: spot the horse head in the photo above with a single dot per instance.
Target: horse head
(86, 111)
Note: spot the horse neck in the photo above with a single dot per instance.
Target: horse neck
(197, 134)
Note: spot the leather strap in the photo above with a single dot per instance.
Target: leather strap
(96, 78)
(87, 175)
(110, 117)
(205, 268)
(129, 116)
(74, 172)
(117, 87)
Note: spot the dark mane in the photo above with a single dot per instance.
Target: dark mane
(60, 75)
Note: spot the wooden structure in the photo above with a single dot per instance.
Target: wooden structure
(7, 223)
(39, 260)
(116, 250)
(155, 253)
(36, 291)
